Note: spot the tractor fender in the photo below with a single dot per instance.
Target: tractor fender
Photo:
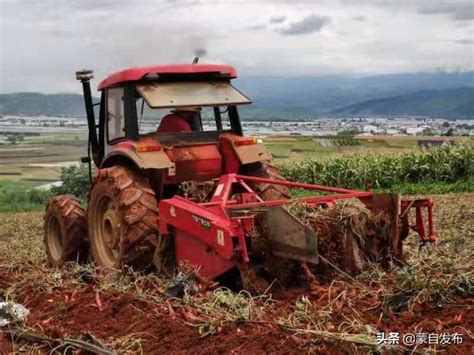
(245, 150)
(143, 160)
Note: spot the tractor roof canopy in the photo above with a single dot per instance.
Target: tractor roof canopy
(140, 73)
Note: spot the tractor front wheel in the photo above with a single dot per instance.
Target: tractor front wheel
(123, 219)
(65, 230)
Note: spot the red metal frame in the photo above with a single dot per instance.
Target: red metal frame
(219, 236)
(138, 73)
(419, 226)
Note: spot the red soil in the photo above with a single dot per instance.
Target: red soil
(114, 315)
(111, 315)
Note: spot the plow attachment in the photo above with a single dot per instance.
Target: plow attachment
(288, 237)
(238, 229)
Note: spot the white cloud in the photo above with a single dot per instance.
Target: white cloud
(43, 43)
(277, 19)
(457, 10)
(309, 24)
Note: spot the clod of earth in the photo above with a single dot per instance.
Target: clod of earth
(350, 236)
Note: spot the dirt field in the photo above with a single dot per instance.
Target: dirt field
(130, 312)
(38, 159)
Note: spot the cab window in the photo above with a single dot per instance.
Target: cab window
(206, 120)
(115, 114)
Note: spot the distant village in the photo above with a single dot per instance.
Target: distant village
(410, 126)
(398, 126)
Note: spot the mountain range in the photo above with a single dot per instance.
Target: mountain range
(447, 103)
(449, 95)
(34, 104)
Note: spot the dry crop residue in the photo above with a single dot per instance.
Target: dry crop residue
(129, 312)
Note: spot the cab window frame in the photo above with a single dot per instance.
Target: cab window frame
(130, 124)
(112, 120)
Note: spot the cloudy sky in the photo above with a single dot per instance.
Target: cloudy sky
(44, 42)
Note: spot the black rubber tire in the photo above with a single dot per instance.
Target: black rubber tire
(135, 210)
(267, 191)
(65, 230)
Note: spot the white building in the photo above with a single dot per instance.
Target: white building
(413, 131)
(370, 129)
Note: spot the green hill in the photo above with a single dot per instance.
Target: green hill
(296, 98)
(32, 104)
(456, 102)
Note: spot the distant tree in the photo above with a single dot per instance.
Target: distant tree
(12, 139)
(75, 181)
(446, 124)
(21, 137)
(348, 132)
(427, 132)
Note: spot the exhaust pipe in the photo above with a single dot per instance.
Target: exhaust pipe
(84, 76)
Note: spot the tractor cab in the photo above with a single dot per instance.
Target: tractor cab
(177, 121)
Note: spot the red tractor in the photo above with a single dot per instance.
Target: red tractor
(191, 189)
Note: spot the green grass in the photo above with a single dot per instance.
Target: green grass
(316, 148)
(20, 185)
(45, 149)
(23, 197)
(23, 200)
(432, 188)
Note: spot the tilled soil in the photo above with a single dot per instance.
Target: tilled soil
(121, 316)
(74, 313)
(139, 318)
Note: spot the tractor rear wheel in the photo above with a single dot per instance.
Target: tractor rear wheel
(267, 191)
(65, 230)
(123, 219)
